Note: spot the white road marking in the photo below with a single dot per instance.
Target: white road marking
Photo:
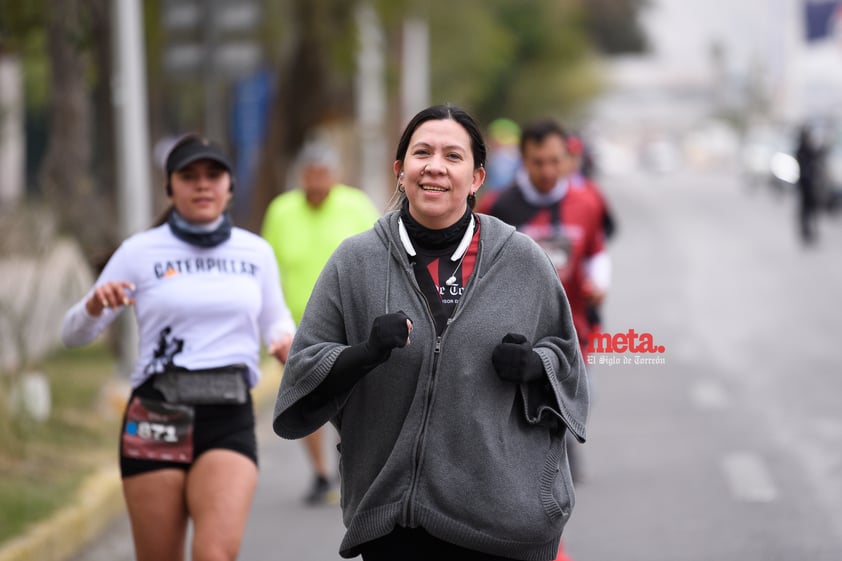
(748, 478)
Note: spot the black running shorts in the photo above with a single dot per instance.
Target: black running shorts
(229, 427)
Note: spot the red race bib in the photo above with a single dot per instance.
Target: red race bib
(156, 430)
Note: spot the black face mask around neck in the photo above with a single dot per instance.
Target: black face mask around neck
(434, 239)
(197, 236)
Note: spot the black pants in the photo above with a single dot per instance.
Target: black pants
(808, 207)
(415, 544)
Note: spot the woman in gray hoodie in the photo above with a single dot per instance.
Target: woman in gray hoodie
(440, 344)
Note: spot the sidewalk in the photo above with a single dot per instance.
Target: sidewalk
(99, 501)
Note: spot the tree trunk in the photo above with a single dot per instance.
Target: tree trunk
(304, 98)
(104, 156)
(65, 177)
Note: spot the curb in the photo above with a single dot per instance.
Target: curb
(99, 501)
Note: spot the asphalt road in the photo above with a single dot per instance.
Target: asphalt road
(731, 449)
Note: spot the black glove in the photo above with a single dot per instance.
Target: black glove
(388, 332)
(515, 361)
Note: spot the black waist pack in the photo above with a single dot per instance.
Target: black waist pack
(225, 385)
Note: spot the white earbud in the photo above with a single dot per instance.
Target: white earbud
(451, 281)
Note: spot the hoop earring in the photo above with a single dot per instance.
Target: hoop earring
(400, 188)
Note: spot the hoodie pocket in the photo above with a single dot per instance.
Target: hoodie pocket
(557, 494)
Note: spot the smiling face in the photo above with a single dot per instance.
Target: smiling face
(201, 191)
(439, 173)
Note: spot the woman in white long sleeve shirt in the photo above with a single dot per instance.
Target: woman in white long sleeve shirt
(205, 294)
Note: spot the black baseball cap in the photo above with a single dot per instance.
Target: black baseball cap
(193, 148)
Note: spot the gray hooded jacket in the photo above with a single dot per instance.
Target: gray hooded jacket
(433, 437)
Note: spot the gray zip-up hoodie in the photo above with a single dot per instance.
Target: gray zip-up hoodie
(433, 437)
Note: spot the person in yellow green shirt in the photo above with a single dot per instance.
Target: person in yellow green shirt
(304, 226)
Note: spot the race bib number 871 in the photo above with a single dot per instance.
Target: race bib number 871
(156, 430)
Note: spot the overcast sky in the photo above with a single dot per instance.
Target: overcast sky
(764, 35)
(683, 31)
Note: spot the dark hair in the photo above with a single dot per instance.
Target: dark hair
(440, 113)
(539, 130)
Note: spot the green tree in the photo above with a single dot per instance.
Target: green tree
(518, 59)
(614, 25)
(59, 43)
(17, 21)
(315, 78)
(494, 57)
